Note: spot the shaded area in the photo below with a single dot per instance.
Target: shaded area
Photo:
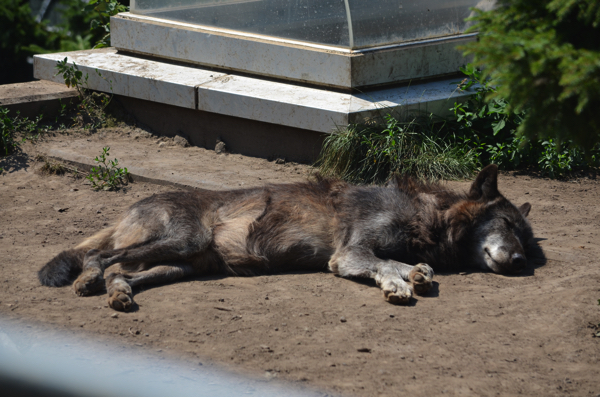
(15, 162)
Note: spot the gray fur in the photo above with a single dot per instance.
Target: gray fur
(382, 233)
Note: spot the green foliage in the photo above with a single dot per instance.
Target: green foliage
(21, 36)
(19, 30)
(72, 32)
(484, 131)
(104, 9)
(373, 153)
(544, 57)
(485, 123)
(107, 175)
(10, 126)
(72, 75)
(92, 105)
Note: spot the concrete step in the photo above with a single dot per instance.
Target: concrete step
(36, 98)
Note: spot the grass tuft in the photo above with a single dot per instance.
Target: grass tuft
(367, 154)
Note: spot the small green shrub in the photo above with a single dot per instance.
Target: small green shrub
(104, 9)
(92, 104)
(10, 126)
(22, 35)
(373, 153)
(107, 175)
(483, 131)
(485, 123)
(545, 58)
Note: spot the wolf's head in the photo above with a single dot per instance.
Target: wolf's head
(503, 232)
(499, 232)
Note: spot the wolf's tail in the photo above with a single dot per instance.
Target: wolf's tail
(64, 268)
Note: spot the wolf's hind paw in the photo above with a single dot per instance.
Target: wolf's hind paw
(90, 281)
(119, 292)
(120, 301)
(421, 278)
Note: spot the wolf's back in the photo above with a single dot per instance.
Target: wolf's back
(62, 269)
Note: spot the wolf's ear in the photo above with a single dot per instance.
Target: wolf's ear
(485, 185)
(524, 209)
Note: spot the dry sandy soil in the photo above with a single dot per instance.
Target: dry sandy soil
(475, 334)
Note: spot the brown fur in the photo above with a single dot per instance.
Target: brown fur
(356, 231)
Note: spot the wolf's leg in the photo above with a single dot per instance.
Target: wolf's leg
(91, 279)
(390, 275)
(118, 285)
(96, 261)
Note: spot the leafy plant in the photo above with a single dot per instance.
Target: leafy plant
(373, 153)
(485, 123)
(560, 160)
(22, 35)
(107, 175)
(92, 104)
(9, 126)
(544, 57)
(104, 9)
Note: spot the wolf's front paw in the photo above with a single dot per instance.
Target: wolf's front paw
(396, 291)
(90, 281)
(421, 278)
(119, 293)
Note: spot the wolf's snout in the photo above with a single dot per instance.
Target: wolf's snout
(518, 261)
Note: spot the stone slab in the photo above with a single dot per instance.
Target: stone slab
(109, 71)
(254, 98)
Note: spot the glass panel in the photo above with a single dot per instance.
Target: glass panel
(321, 22)
(374, 22)
(381, 22)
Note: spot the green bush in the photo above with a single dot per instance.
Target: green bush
(485, 123)
(483, 131)
(10, 126)
(19, 30)
(21, 36)
(103, 9)
(107, 175)
(544, 57)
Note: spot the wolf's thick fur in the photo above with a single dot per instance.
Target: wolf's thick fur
(385, 233)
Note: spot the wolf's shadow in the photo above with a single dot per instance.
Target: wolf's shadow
(536, 258)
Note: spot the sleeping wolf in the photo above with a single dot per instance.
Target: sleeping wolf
(393, 234)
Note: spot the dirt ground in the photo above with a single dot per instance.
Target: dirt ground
(475, 334)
